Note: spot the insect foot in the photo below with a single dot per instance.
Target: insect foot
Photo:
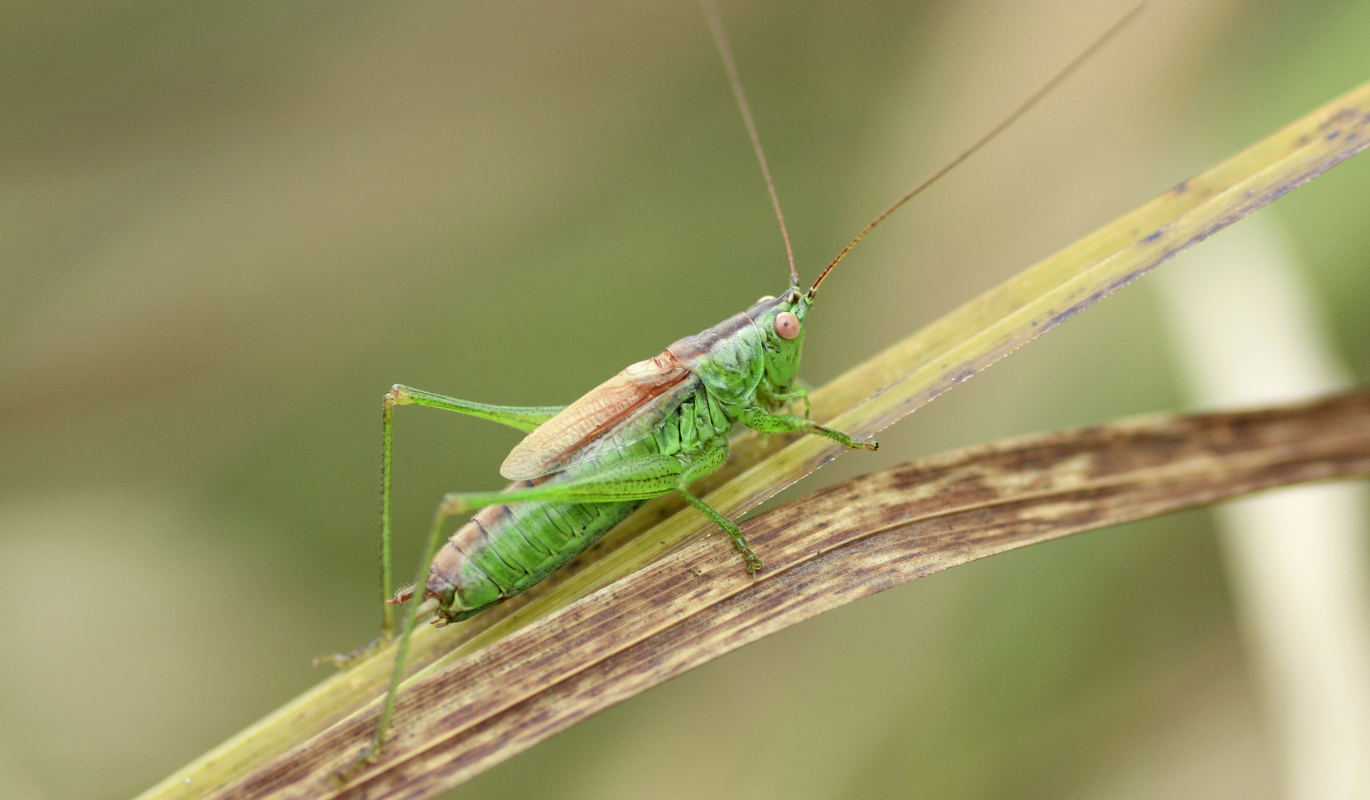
(368, 758)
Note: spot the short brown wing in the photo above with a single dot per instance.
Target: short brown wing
(634, 400)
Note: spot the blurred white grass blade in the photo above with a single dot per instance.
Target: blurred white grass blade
(1246, 330)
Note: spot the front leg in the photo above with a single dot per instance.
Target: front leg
(763, 421)
(787, 398)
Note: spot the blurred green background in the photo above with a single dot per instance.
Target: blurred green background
(228, 228)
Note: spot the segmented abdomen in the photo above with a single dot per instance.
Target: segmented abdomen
(505, 549)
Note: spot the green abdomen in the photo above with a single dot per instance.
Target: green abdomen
(504, 550)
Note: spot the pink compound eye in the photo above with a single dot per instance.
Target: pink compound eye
(786, 325)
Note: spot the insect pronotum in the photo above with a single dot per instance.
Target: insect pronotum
(650, 430)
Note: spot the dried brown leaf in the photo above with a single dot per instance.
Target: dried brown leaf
(838, 545)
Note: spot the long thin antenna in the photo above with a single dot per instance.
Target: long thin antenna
(721, 39)
(985, 139)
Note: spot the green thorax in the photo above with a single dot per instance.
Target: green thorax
(744, 360)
